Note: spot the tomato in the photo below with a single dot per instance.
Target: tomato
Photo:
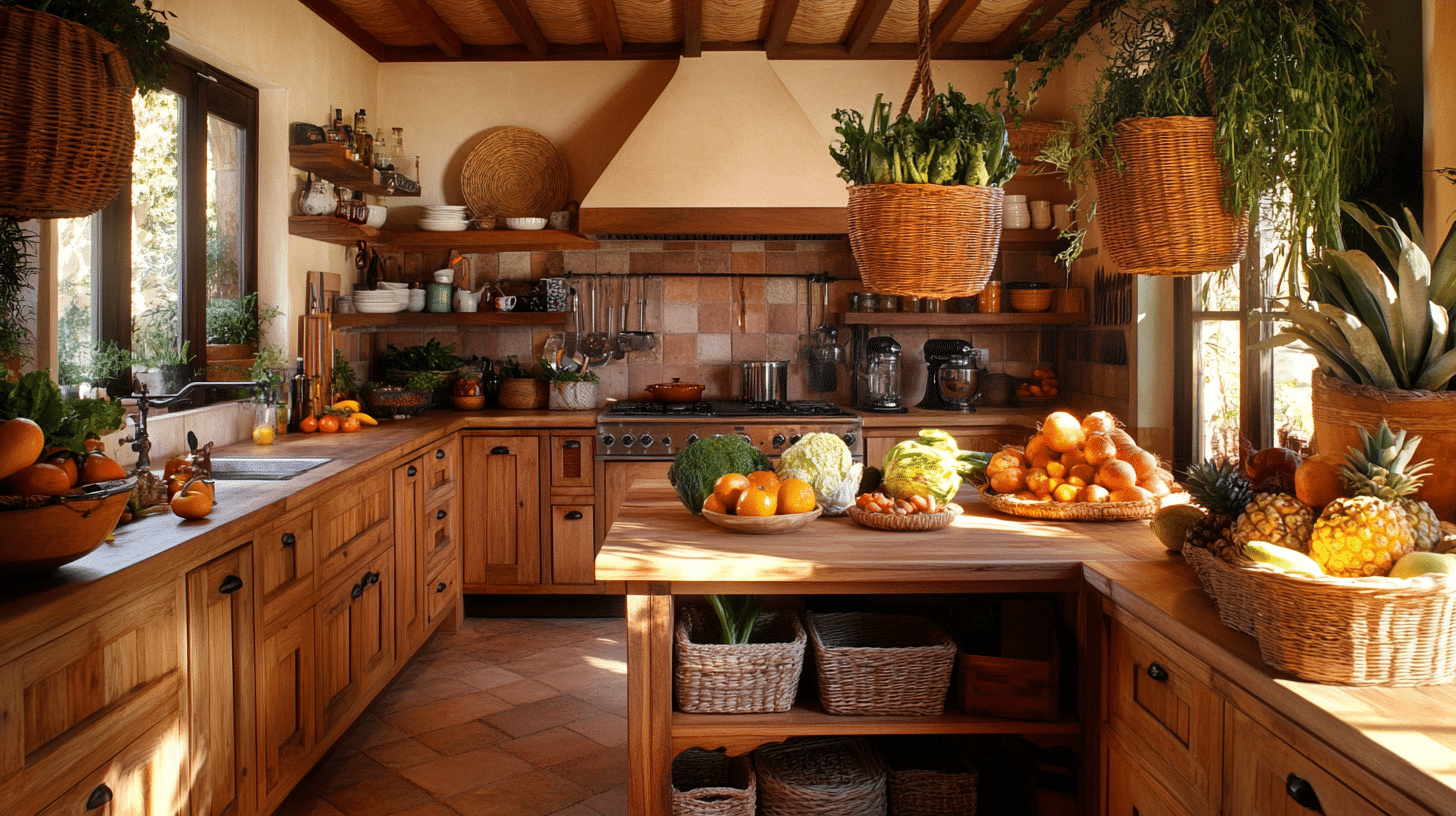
(349, 424)
(192, 503)
(308, 424)
(328, 423)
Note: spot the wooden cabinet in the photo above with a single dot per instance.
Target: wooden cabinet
(287, 683)
(1267, 776)
(146, 778)
(571, 529)
(220, 710)
(283, 560)
(354, 632)
(990, 437)
(426, 529)
(501, 484)
(1130, 791)
(350, 524)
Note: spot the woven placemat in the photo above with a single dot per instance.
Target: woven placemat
(514, 172)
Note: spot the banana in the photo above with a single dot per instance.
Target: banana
(351, 406)
(364, 419)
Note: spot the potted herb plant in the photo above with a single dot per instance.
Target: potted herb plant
(234, 327)
(401, 364)
(1244, 104)
(346, 382)
(571, 390)
(520, 388)
(16, 272)
(96, 366)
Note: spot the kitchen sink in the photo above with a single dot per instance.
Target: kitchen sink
(237, 469)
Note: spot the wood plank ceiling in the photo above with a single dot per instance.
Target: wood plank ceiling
(515, 30)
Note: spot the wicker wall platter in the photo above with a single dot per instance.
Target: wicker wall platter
(908, 523)
(1078, 511)
(514, 172)
(759, 676)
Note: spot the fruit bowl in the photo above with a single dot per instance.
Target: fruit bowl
(763, 525)
(1079, 511)
(910, 522)
(44, 532)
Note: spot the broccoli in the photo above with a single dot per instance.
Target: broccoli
(702, 463)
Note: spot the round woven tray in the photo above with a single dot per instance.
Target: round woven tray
(514, 172)
(1079, 511)
(907, 523)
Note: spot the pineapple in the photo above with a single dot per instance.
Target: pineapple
(1368, 533)
(1277, 518)
(1222, 491)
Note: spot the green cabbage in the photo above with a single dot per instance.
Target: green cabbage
(825, 462)
(913, 469)
(699, 466)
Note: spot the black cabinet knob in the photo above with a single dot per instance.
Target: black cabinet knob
(1157, 672)
(411, 471)
(1302, 793)
(288, 540)
(98, 797)
(356, 590)
(230, 584)
(440, 587)
(573, 515)
(440, 453)
(500, 450)
(371, 578)
(439, 515)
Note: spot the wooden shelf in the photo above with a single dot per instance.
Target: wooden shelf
(970, 319)
(740, 733)
(359, 321)
(1031, 239)
(332, 163)
(332, 230)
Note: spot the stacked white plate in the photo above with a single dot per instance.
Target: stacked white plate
(443, 218)
(377, 301)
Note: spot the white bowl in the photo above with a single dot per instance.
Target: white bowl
(526, 223)
(378, 308)
(377, 215)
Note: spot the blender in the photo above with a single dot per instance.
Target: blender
(879, 377)
(953, 376)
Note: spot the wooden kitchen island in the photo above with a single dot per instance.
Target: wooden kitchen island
(1214, 730)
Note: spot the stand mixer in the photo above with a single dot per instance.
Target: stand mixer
(953, 376)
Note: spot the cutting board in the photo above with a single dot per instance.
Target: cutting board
(323, 290)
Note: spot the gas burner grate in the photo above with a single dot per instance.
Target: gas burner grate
(652, 408)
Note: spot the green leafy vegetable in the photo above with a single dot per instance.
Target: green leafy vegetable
(913, 469)
(702, 463)
(66, 423)
(430, 357)
(954, 142)
(736, 616)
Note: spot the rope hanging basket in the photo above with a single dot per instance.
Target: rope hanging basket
(67, 131)
(1164, 214)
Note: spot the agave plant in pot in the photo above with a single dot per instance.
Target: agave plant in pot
(1382, 335)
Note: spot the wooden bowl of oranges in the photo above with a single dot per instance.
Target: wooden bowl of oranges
(760, 503)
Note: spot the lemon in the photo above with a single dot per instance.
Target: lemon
(1421, 563)
(263, 435)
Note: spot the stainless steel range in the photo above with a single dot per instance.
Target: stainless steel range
(645, 430)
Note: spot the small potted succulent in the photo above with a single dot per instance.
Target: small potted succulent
(571, 390)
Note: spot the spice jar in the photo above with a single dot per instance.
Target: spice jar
(989, 300)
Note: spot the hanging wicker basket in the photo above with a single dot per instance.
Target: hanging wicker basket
(925, 240)
(1164, 214)
(67, 130)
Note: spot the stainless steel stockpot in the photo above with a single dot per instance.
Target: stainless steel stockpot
(765, 380)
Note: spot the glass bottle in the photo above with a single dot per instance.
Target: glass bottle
(336, 134)
(363, 141)
(381, 151)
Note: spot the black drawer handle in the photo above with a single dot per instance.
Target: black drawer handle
(1302, 793)
(574, 515)
(356, 590)
(98, 797)
(371, 577)
(288, 540)
(411, 471)
(500, 450)
(440, 587)
(571, 443)
(440, 454)
(230, 584)
(439, 515)
(1157, 672)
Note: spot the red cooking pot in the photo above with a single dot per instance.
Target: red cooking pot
(676, 391)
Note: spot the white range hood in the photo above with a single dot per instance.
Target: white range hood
(725, 150)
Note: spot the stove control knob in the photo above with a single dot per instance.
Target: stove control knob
(628, 439)
(667, 442)
(849, 439)
(608, 440)
(692, 438)
(646, 440)
(794, 439)
(779, 440)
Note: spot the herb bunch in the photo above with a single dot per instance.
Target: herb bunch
(954, 142)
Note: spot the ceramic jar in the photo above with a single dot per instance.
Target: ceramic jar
(1015, 214)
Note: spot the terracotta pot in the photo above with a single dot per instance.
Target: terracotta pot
(1339, 408)
(676, 391)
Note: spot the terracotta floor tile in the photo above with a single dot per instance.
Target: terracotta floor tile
(551, 747)
(609, 803)
(457, 739)
(489, 677)
(535, 794)
(577, 810)
(607, 696)
(431, 809)
(405, 753)
(598, 771)
(450, 711)
(384, 795)
(307, 806)
(367, 731)
(606, 729)
(524, 691)
(580, 675)
(427, 689)
(539, 716)
(449, 776)
(340, 769)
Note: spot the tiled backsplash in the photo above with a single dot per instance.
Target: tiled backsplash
(710, 304)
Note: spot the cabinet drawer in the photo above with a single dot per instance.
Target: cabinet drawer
(1130, 792)
(441, 591)
(283, 559)
(1160, 701)
(571, 460)
(146, 778)
(573, 548)
(438, 534)
(1269, 778)
(441, 466)
(349, 525)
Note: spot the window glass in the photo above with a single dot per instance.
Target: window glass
(156, 233)
(225, 202)
(77, 291)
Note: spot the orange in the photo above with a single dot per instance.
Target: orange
(94, 445)
(1063, 431)
(308, 424)
(795, 496)
(1116, 475)
(1065, 493)
(758, 500)
(37, 480)
(349, 424)
(328, 423)
(727, 488)
(66, 461)
(712, 505)
(101, 468)
(192, 503)
(764, 478)
(1081, 475)
(21, 442)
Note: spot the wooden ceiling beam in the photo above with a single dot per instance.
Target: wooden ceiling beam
(606, 12)
(779, 24)
(950, 19)
(422, 15)
(866, 23)
(692, 28)
(519, 16)
(1006, 42)
(346, 26)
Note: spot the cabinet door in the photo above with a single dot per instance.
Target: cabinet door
(1269, 778)
(1130, 792)
(573, 552)
(501, 510)
(355, 636)
(287, 703)
(441, 466)
(408, 559)
(219, 650)
(147, 778)
(283, 554)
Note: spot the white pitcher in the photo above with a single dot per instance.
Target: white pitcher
(468, 301)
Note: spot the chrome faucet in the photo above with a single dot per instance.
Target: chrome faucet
(139, 440)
